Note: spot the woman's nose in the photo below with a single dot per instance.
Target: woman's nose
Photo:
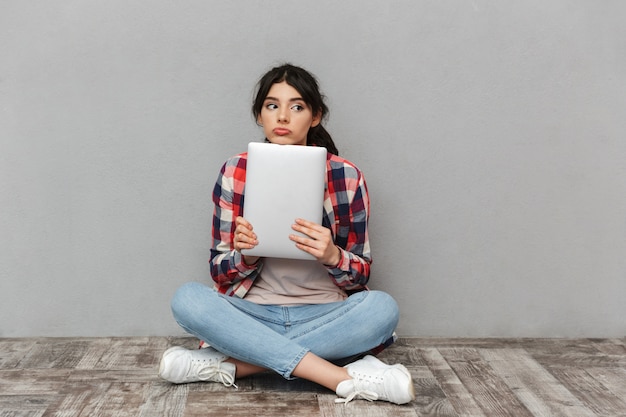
(283, 117)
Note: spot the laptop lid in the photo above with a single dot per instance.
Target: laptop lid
(283, 182)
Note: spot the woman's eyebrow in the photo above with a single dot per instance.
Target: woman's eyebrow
(291, 99)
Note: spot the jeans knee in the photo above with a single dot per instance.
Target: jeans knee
(185, 301)
(385, 306)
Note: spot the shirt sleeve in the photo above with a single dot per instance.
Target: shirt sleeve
(353, 270)
(226, 264)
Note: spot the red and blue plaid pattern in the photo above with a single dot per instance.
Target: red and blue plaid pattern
(346, 213)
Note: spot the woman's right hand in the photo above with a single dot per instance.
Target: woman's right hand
(245, 238)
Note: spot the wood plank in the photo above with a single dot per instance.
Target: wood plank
(76, 399)
(579, 352)
(163, 399)
(114, 399)
(120, 353)
(125, 353)
(94, 352)
(20, 413)
(485, 386)
(12, 351)
(62, 353)
(88, 376)
(613, 379)
(404, 352)
(460, 398)
(610, 346)
(591, 391)
(251, 404)
(535, 387)
(441, 342)
(430, 400)
(327, 407)
(32, 381)
(25, 405)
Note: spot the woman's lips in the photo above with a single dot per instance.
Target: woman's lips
(281, 131)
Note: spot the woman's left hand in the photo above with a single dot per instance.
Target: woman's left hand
(319, 242)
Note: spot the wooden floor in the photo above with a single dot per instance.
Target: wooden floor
(452, 377)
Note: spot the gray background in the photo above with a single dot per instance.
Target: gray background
(491, 134)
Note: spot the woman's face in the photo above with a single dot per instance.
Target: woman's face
(285, 117)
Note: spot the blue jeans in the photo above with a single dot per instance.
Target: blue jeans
(277, 337)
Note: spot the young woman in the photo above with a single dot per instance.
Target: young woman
(295, 317)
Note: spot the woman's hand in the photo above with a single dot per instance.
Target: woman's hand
(319, 242)
(245, 238)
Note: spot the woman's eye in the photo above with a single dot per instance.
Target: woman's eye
(271, 106)
(297, 107)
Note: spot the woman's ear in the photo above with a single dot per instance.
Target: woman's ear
(316, 119)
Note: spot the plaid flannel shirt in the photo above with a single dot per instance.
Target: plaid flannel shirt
(346, 213)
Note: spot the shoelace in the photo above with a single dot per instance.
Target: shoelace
(362, 394)
(210, 371)
(361, 391)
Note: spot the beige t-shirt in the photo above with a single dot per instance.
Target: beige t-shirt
(294, 282)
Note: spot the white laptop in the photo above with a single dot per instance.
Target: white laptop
(283, 182)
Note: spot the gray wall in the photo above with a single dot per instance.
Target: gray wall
(491, 134)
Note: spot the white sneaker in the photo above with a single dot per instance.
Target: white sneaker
(374, 380)
(180, 365)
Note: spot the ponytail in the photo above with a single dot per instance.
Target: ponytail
(320, 137)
